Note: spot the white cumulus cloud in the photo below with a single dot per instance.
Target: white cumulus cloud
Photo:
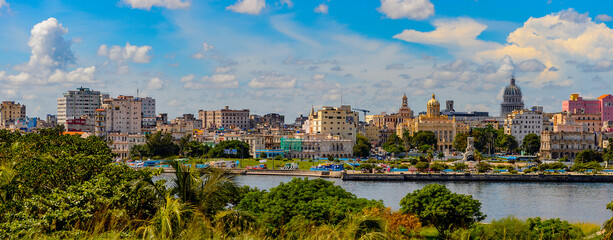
(148, 4)
(155, 84)
(411, 9)
(248, 6)
(128, 53)
(321, 8)
(50, 57)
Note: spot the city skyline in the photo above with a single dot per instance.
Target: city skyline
(285, 56)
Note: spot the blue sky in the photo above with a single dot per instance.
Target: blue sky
(286, 55)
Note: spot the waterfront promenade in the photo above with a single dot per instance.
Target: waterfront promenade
(481, 177)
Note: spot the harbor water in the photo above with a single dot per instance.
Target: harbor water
(575, 202)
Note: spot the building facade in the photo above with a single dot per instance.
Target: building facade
(77, 103)
(119, 115)
(520, 123)
(512, 99)
(337, 122)
(556, 145)
(444, 129)
(603, 106)
(10, 112)
(225, 118)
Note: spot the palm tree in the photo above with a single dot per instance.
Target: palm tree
(168, 221)
(209, 190)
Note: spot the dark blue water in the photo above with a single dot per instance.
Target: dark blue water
(575, 202)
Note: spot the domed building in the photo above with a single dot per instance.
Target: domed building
(512, 99)
(433, 107)
(444, 128)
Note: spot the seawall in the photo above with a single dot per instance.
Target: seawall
(479, 177)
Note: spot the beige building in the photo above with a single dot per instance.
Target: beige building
(119, 115)
(11, 112)
(337, 122)
(444, 129)
(556, 145)
(225, 118)
(121, 143)
(571, 134)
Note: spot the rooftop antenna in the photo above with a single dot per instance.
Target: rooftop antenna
(137, 87)
(341, 97)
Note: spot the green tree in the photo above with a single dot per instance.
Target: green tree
(422, 166)
(531, 144)
(437, 167)
(588, 156)
(394, 144)
(197, 149)
(408, 140)
(483, 167)
(435, 204)
(161, 144)
(507, 143)
(459, 166)
(242, 149)
(362, 146)
(183, 143)
(459, 142)
(208, 190)
(424, 138)
(318, 200)
(139, 151)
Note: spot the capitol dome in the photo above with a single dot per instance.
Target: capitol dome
(512, 99)
(512, 89)
(433, 102)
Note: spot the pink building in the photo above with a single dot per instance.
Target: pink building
(603, 105)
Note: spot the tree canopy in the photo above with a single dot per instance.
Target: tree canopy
(362, 146)
(435, 204)
(531, 144)
(317, 199)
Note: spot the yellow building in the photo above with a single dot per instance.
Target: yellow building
(444, 129)
(11, 112)
(340, 122)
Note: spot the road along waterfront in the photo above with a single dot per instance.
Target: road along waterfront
(575, 202)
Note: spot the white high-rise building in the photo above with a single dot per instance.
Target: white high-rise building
(520, 123)
(78, 103)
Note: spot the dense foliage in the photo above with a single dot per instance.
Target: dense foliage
(531, 144)
(318, 200)
(435, 204)
(362, 146)
(588, 156)
(242, 149)
(55, 183)
(532, 228)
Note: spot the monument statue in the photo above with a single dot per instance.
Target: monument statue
(469, 155)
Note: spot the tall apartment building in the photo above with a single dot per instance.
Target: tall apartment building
(520, 123)
(11, 112)
(119, 115)
(341, 122)
(148, 114)
(78, 103)
(225, 118)
(603, 106)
